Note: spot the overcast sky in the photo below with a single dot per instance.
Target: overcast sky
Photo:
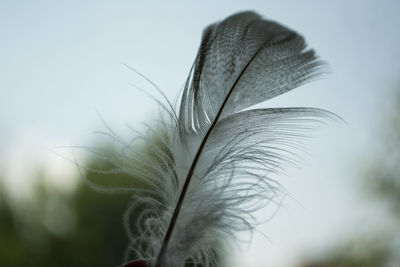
(60, 61)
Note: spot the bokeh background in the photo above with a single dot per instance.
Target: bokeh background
(63, 77)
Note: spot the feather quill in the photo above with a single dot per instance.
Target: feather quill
(209, 163)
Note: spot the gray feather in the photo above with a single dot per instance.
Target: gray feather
(210, 168)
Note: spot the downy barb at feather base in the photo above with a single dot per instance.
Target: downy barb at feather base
(209, 162)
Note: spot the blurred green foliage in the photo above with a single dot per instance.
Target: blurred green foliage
(83, 228)
(80, 228)
(381, 180)
(362, 252)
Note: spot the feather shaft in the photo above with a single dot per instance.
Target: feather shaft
(193, 166)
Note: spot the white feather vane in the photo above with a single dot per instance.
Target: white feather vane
(208, 164)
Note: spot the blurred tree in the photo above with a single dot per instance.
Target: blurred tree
(383, 175)
(382, 180)
(10, 247)
(82, 228)
(56, 229)
(364, 252)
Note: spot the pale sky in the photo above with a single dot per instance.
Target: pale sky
(60, 61)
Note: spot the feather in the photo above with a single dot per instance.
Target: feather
(208, 163)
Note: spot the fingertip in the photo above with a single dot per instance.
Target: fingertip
(136, 263)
